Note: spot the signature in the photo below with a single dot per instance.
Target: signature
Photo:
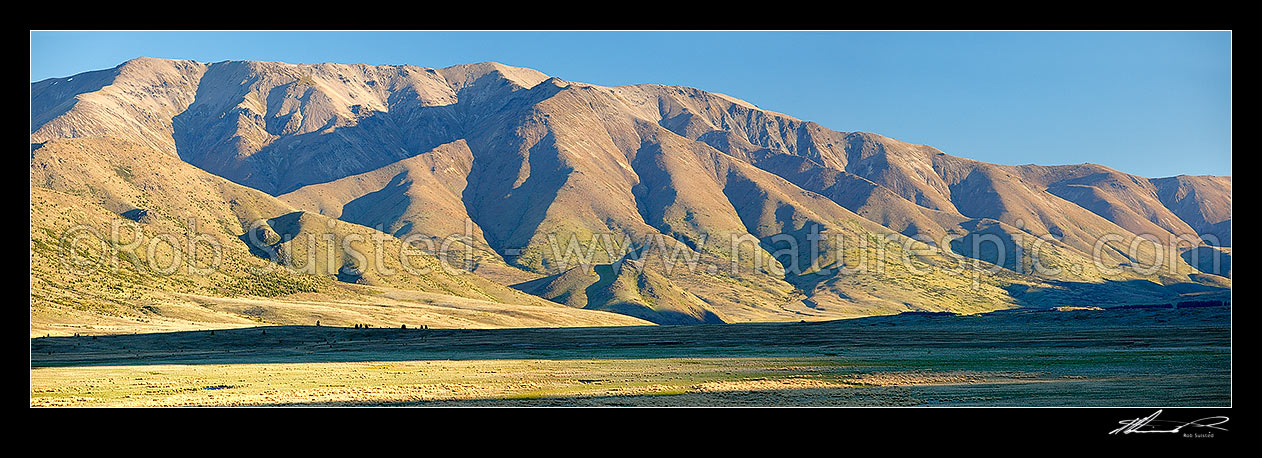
(1151, 424)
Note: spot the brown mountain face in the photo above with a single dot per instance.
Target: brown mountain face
(589, 196)
(127, 238)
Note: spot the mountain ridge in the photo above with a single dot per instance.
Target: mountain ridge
(523, 158)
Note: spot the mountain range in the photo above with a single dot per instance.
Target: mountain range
(572, 204)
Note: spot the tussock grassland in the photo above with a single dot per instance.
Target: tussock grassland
(531, 381)
(1162, 357)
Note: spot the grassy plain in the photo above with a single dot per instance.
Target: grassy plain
(1162, 357)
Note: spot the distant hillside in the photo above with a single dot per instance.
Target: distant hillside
(107, 216)
(532, 167)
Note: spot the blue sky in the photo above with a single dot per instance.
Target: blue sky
(1149, 103)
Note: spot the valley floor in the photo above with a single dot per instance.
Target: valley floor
(1147, 357)
(376, 306)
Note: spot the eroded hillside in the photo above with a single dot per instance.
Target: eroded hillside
(589, 196)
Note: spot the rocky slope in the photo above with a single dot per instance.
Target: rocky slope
(127, 238)
(557, 183)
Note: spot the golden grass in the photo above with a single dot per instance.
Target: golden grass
(401, 382)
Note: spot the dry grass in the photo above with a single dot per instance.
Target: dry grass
(402, 382)
(1075, 358)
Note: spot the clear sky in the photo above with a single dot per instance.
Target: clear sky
(1150, 103)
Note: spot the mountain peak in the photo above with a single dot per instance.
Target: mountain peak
(463, 75)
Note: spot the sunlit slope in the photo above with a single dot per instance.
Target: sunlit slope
(112, 223)
(540, 178)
